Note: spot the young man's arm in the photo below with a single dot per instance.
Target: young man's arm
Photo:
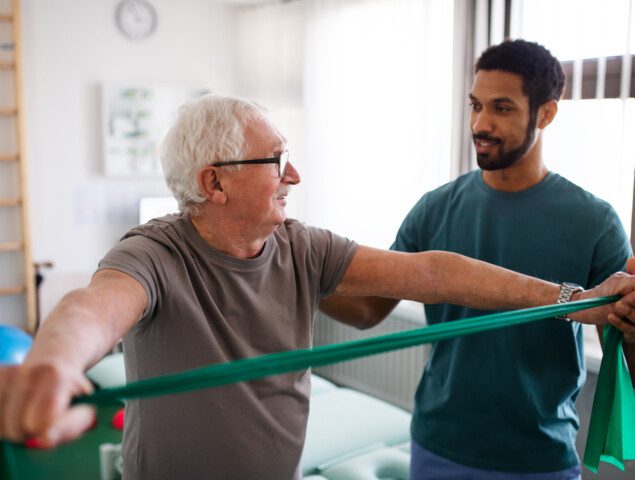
(358, 312)
(35, 396)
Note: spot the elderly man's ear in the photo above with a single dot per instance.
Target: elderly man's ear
(210, 185)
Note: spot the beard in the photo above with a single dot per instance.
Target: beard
(505, 158)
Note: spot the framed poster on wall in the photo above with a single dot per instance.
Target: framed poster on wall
(135, 120)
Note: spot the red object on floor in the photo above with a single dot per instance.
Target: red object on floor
(32, 443)
(117, 419)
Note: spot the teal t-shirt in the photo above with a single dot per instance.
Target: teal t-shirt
(504, 400)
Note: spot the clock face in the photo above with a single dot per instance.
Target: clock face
(136, 19)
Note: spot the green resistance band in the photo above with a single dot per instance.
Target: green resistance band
(611, 436)
(289, 361)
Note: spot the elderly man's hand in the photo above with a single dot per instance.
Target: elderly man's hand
(624, 319)
(35, 405)
(621, 314)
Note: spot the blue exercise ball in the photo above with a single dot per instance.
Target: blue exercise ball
(14, 345)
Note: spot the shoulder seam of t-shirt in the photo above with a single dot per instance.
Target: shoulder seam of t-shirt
(347, 256)
(154, 225)
(139, 278)
(603, 230)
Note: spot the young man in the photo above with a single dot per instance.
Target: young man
(501, 405)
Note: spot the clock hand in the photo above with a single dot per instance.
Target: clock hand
(136, 11)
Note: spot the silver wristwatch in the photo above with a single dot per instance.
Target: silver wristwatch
(566, 292)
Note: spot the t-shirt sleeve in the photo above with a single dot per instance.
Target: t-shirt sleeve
(142, 259)
(409, 236)
(611, 250)
(331, 254)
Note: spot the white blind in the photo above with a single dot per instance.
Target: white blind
(378, 105)
(362, 89)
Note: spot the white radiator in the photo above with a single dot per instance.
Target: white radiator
(394, 376)
(391, 376)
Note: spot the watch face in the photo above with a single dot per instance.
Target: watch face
(136, 19)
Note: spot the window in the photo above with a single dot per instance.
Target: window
(591, 141)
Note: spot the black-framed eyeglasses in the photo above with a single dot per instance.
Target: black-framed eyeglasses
(282, 160)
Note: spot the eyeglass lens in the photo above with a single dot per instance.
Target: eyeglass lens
(284, 160)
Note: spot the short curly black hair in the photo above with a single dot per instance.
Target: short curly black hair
(542, 74)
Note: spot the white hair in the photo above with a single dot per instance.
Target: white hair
(207, 130)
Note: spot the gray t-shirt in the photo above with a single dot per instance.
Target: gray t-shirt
(205, 307)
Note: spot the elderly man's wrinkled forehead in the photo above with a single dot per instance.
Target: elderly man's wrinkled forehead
(259, 128)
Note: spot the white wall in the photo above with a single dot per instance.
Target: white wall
(70, 48)
(270, 55)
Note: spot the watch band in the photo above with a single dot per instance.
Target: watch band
(566, 292)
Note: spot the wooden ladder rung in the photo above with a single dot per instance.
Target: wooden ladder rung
(16, 290)
(10, 202)
(13, 199)
(8, 111)
(10, 246)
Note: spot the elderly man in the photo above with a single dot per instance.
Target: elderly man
(228, 277)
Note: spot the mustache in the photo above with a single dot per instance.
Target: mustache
(485, 138)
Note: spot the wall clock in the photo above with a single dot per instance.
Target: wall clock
(136, 19)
